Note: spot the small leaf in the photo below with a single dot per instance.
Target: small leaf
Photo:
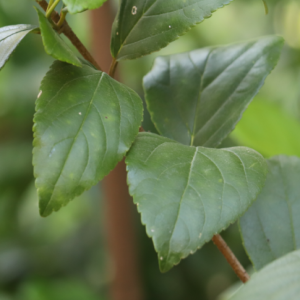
(187, 194)
(54, 45)
(197, 98)
(272, 133)
(277, 281)
(76, 6)
(85, 122)
(142, 27)
(271, 227)
(10, 37)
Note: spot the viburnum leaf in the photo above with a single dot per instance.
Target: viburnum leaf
(85, 122)
(142, 27)
(198, 97)
(186, 195)
(271, 226)
(54, 45)
(10, 37)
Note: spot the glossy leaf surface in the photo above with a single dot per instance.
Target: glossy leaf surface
(76, 6)
(10, 37)
(268, 129)
(142, 27)
(187, 194)
(277, 281)
(54, 45)
(271, 227)
(85, 122)
(198, 97)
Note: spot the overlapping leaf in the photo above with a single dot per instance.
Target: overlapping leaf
(54, 45)
(76, 6)
(187, 194)
(142, 27)
(10, 37)
(85, 122)
(271, 227)
(277, 281)
(197, 98)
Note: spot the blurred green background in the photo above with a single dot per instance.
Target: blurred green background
(64, 256)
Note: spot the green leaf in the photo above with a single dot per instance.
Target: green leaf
(271, 227)
(278, 281)
(187, 194)
(142, 27)
(10, 37)
(85, 122)
(268, 129)
(54, 45)
(76, 6)
(197, 98)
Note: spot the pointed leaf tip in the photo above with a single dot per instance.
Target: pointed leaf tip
(54, 45)
(186, 194)
(198, 97)
(85, 122)
(10, 37)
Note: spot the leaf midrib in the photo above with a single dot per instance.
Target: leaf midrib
(6, 37)
(194, 133)
(138, 20)
(180, 202)
(75, 138)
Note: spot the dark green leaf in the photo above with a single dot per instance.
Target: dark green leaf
(267, 128)
(76, 6)
(197, 98)
(278, 281)
(10, 37)
(271, 227)
(187, 194)
(84, 124)
(54, 45)
(142, 27)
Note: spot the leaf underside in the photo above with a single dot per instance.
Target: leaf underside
(77, 6)
(277, 281)
(271, 227)
(10, 37)
(54, 45)
(142, 27)
(197, 98)
(187, 194)
(85, 122)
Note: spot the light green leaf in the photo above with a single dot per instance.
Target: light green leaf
(187, 194)
(76, 6)
(142, 27)
(277, 281)
(10, 37)
(271, 227)
(54, 45)
(85, 122)
(268, 129)
(197, 98)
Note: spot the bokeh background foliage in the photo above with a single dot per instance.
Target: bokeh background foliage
(64, 256)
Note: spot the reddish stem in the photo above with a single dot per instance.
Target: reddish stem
(231, 258)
